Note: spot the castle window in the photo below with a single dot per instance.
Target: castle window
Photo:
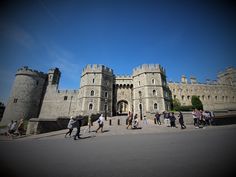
(139, 83)
(37, 82)
(140, 93)
(188, 97)
(65, 97)
(90, 106)
(15, 100)
(174, 96)
(203, 97)
(106, 94)
(92, 93)
(223, 98)
(182, 97)
(215, 97)
(154, 92)
(153, 81)
(209, 97)
(93, 81)
(155, 106)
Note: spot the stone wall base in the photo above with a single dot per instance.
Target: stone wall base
(43, 125)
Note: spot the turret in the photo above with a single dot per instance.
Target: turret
(54, 75)
(184, 79)
(26, 95)
(96, 87)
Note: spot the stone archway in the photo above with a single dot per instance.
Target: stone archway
(122, 107)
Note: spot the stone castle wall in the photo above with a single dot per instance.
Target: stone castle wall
(146, 91)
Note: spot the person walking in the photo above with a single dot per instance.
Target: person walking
(157, 116)
(78, 124)
(172, 120)
(166, 118)
(181, 120)
(20, 127)
(195, 121)
(89, 122)
(100, 123)
(130, 118)
(70, 126)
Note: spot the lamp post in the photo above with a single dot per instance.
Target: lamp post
(140, 107)
(105, 108)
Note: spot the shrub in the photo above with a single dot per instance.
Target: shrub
(196, 102)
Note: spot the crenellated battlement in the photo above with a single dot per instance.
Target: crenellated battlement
(148, 68)
(97, 68)
(70, 92)
(123, 77)
(25, 70)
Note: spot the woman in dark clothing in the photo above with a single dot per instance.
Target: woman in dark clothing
(181, 120)
(172, 120)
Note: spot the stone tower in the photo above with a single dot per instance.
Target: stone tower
(26, 95)
(150, 92)
(96, 89)
(54, 75)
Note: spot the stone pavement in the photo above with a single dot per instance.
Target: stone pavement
(109, 130)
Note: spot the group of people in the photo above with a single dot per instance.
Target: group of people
(170, 119)
(15, 129)
(132, 121)
(76, 122)
(202, 118)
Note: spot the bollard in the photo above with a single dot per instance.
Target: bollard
(118, 121)
(155, 121)
(109, 121)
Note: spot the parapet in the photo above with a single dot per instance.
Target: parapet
(145, 68)
(27, 71)
(97, 68)
(124, 77)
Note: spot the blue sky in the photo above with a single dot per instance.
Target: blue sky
(186, 37)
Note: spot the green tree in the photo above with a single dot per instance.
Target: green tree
(176, 104)
(196, 102)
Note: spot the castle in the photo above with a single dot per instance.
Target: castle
(36, 95)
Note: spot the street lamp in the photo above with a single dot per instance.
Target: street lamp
(105, 108)
(140, 105)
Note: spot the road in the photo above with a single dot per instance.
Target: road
(203, 152)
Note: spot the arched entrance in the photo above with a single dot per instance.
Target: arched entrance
(122, 107)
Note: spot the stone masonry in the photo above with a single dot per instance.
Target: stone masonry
(36, 95)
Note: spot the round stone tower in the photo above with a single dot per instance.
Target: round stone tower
(26, 95)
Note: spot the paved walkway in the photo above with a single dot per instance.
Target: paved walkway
(110, 130)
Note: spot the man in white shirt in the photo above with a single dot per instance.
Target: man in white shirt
(100, 123)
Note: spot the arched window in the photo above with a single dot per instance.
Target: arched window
(154, 92)
(140, 93)
(92, 93)
(153, 81)
(106, 94)
(155, 105)
(90, 106)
